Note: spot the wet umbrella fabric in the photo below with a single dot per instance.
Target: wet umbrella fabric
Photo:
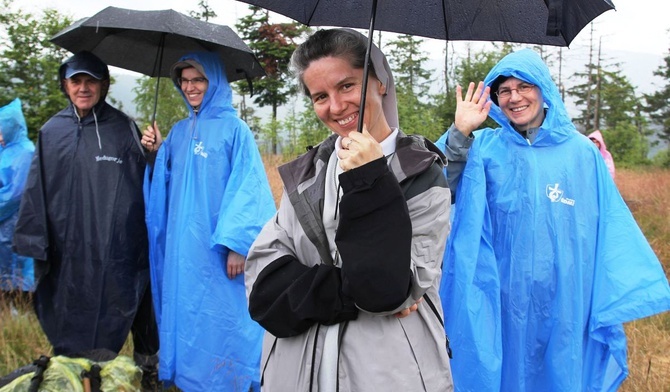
(132, 40)
(545, 22)
(150, 42)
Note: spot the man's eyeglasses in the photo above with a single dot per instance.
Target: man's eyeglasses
(523, 89)
(194, 81)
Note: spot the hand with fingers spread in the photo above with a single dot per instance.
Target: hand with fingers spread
(359, 148)
(472, 110)
(152, 138)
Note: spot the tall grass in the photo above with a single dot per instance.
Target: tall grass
(272, 162)
(21, 337)
(646, 192)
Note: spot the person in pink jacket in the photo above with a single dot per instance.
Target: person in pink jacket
(597, 139)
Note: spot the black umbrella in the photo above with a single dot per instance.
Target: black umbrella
(545, 22)
(149, 42)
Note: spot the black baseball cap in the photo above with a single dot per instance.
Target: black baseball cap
(85, 62)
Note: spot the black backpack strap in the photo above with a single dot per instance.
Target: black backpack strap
(272, 349)
(41, 365)
(437, 314)
(92, 379)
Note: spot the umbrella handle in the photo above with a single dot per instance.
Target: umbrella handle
(366, 66)
(248, 78)
(153, 116)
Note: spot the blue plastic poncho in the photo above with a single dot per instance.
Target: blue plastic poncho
(545, 261)
(208, 194)
(16, 272)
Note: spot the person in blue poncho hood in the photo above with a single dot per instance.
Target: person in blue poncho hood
(16, 151)
(207, 198)
(545, 261)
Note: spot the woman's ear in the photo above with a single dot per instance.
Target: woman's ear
(382, 88)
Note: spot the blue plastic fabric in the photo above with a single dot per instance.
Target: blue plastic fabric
(441, 143)
(16, 272)
(545, 261)
(208, 194)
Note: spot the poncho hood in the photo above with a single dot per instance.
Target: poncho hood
(219, 95)
(599, 137)
(13, 123)
(528, 66)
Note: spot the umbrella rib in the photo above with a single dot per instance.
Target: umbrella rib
(311, 15)
(444, 16)
(554, 20)
(159, 59)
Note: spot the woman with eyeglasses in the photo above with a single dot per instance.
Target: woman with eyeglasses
(207, 198)
(544, 262)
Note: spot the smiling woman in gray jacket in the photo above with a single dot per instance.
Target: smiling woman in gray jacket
(344, 277)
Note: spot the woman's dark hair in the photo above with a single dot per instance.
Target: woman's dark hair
(494, 88)
(343, 43)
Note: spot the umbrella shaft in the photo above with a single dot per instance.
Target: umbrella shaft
(366, 67)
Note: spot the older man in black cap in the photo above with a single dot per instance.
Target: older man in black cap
(82, 220)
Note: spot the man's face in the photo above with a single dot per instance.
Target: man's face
(84, 91)
(522, 103)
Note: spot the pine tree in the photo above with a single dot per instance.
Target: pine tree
(658, 103)
(412, 84)
(170, 105)
(273, 44)
(605, 98)
(30, 62)
(607, 102)
(471, 68)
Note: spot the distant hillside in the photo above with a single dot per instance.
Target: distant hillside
(122, 90)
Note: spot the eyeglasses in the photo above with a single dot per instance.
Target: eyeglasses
(523, 89)
(194, 81)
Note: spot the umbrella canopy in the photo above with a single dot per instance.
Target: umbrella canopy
(149, 42)
(545, 22)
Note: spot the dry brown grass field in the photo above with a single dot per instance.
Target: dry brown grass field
(648, 196)
(646, 192)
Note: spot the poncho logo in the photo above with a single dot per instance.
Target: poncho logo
(200, 150)
(556, 195)
(109, 159)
